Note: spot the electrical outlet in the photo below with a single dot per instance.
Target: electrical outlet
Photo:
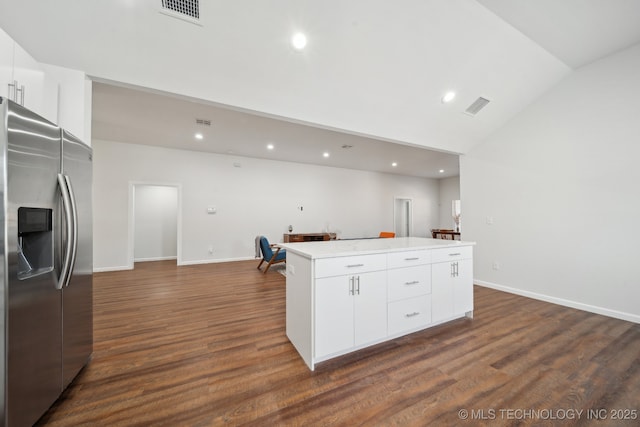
(496, 265)
(490, 220)
(210, 250)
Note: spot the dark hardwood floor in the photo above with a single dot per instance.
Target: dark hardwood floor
(205, 345)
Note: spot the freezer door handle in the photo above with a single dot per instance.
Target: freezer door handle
(67, 259)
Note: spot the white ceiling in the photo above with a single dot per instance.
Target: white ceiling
(575, 31)
(373, 71)
(143, 117)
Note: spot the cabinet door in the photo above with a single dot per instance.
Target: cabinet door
(370, 306)
(441, 291)
(463, 287)
(30, 77)
(333, 315)
(6, 64)
(452, 289)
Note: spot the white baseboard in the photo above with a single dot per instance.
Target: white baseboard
(161, 258)
(218, 260)
(117, 268)
(205, 261)
(564, 302)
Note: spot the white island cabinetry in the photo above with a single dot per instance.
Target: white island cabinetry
(350, 308)
(452, 282)
(349, 294)
(409, 290)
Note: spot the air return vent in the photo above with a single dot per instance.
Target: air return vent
(203, 122)
(477, 105)
(183, 8)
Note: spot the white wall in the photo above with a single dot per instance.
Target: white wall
(260, 197)
(449, 190)
(560, 182)
(155, 222)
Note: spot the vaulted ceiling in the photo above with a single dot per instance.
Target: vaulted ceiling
(373, 71)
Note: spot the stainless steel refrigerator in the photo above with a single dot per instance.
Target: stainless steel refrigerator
(46, 262)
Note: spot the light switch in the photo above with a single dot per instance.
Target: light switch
(490, 220)
(211, 210)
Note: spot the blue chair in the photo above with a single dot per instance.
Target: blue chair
(270, 257)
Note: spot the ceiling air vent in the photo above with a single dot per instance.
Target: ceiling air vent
(189, 9)
(477, 105)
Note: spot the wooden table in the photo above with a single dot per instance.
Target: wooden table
(438, 233)
(308, 237)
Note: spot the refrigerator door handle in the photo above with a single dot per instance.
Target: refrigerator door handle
(65, 271)
(74, 218)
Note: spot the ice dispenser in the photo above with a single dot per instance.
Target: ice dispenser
(35, 242)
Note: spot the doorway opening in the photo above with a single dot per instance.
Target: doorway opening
(154, 223)
(403, 216)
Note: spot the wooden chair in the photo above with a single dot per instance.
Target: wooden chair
(269, 255)
(387, 234)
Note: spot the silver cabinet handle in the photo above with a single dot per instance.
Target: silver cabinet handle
(354, 285)
(21, 90)
(412, 259)
(456, 254)
(415, 313)
(354, 265)
(12, 88)
(454, 269)
(415, 282)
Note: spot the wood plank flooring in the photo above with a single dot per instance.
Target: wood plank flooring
(205, 345)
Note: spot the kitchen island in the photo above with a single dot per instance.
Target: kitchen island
(345, 295)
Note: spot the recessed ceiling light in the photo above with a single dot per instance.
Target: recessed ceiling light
(199, 136)
(394, 164)
(270, 147)
(441, 171)
(448, 97)
(299, 41)
(325, 154)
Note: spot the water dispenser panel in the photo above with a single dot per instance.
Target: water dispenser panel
(35, 242)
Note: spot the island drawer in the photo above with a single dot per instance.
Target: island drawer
(455, 253)
(408, 258)
(409, 314)
(409, 282)
(340, 266)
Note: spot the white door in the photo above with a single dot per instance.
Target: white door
(403, 217)
(155, 222)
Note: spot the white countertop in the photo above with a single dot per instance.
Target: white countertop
(334, 248)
